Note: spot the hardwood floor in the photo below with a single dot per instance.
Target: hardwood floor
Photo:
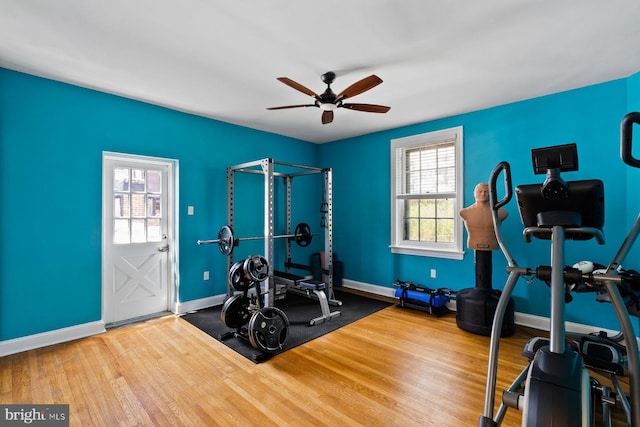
(397, 367)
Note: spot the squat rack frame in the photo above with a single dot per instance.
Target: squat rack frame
(266, 167)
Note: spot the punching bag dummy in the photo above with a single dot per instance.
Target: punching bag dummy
(475, 307)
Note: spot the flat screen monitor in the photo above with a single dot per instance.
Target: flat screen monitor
(561, 157)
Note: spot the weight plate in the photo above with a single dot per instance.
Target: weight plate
(237, 277)
(303, 234)
(256, 268)
(268, 329)
(226, 240)
(235, 312)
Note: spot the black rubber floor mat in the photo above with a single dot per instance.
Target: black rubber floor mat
(299, 310)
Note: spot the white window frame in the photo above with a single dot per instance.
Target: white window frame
(432, 249)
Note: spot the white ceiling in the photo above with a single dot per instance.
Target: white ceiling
(220, 59)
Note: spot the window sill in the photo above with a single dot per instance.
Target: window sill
(434, 253)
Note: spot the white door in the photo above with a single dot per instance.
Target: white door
(137, 236)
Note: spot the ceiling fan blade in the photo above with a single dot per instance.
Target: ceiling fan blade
(291, 106)
(298, 86)
(360, 86)
(369, 108)
(327, 117)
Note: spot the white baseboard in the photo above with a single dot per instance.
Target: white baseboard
(58, 336)
(366, 287)
(523, 319)
(44, 339)
(199, 304)
(544, 323)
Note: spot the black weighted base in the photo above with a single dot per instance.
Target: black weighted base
(475, 309)
(243, 334)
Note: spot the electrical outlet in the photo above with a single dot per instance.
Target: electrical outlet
(206, 275)
(433, 273)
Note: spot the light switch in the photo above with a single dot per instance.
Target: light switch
(190, 210)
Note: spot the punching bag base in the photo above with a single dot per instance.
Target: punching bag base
(475, 308)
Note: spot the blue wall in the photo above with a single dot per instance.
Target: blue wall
(589, 116)
(52, 136)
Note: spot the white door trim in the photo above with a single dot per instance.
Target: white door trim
(172, 218)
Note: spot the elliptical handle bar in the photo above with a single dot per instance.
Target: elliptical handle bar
(626, 138)
(493, 194)
(496, 205)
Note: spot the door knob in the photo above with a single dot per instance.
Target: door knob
(163, 248)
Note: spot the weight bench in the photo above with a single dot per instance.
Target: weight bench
(300, 285)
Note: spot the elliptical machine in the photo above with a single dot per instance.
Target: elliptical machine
(557, 386)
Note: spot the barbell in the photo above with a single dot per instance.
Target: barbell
(227, 241)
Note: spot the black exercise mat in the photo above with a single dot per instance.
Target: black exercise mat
(299, 311)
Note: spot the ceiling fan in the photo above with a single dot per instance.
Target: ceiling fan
(329, 101)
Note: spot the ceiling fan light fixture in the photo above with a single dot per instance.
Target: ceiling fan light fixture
(327, 106)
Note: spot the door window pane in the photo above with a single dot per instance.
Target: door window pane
(153, 206)
(137, 180)
(121, 179)
(154, 181)
(153, 230)
(121, 205)
(121, 231)
(138, 234)
(137, 206)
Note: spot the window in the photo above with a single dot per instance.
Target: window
(137, 213)
(426, 193)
